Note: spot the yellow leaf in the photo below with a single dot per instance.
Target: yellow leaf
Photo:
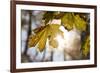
(50, 31)
(86, 46)
(80, 23)
(33, 39)
(53, 43)
(38, 29)
(68, 21)
(48, 16)
(42, 41)
(53, 32)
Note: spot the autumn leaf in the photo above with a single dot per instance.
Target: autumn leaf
(58, 15)
(86, 46)
(36, 30)
(48, 16)
(42, 40)
(34, 38)
(49, 31)
(70, 20)
(80, 24)
(67, 21)
(53, 32)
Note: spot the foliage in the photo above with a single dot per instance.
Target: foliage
(86, 46)
(48, 16)
(68, 21)
(49, 31)
(41, 35)
(80, 23)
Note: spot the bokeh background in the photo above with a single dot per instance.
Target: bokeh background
(31, 20)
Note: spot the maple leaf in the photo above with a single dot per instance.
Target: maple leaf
(48, 16)
(80, 24)
(67, 21)
(41, 35)
(54, 31)
(42, 40)
(34, 38)
(70, 20)
(86, 46)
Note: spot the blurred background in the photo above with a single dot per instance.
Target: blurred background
(34, 19)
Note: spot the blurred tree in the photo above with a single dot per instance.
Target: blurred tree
(69, 20)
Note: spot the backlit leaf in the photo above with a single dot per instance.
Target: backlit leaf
(33, 39)
(40, 37)
(54, 31)
(68, 21)
(80, 24)
(50, 31)
(42, 40)
(48, 16)
(86, 46)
